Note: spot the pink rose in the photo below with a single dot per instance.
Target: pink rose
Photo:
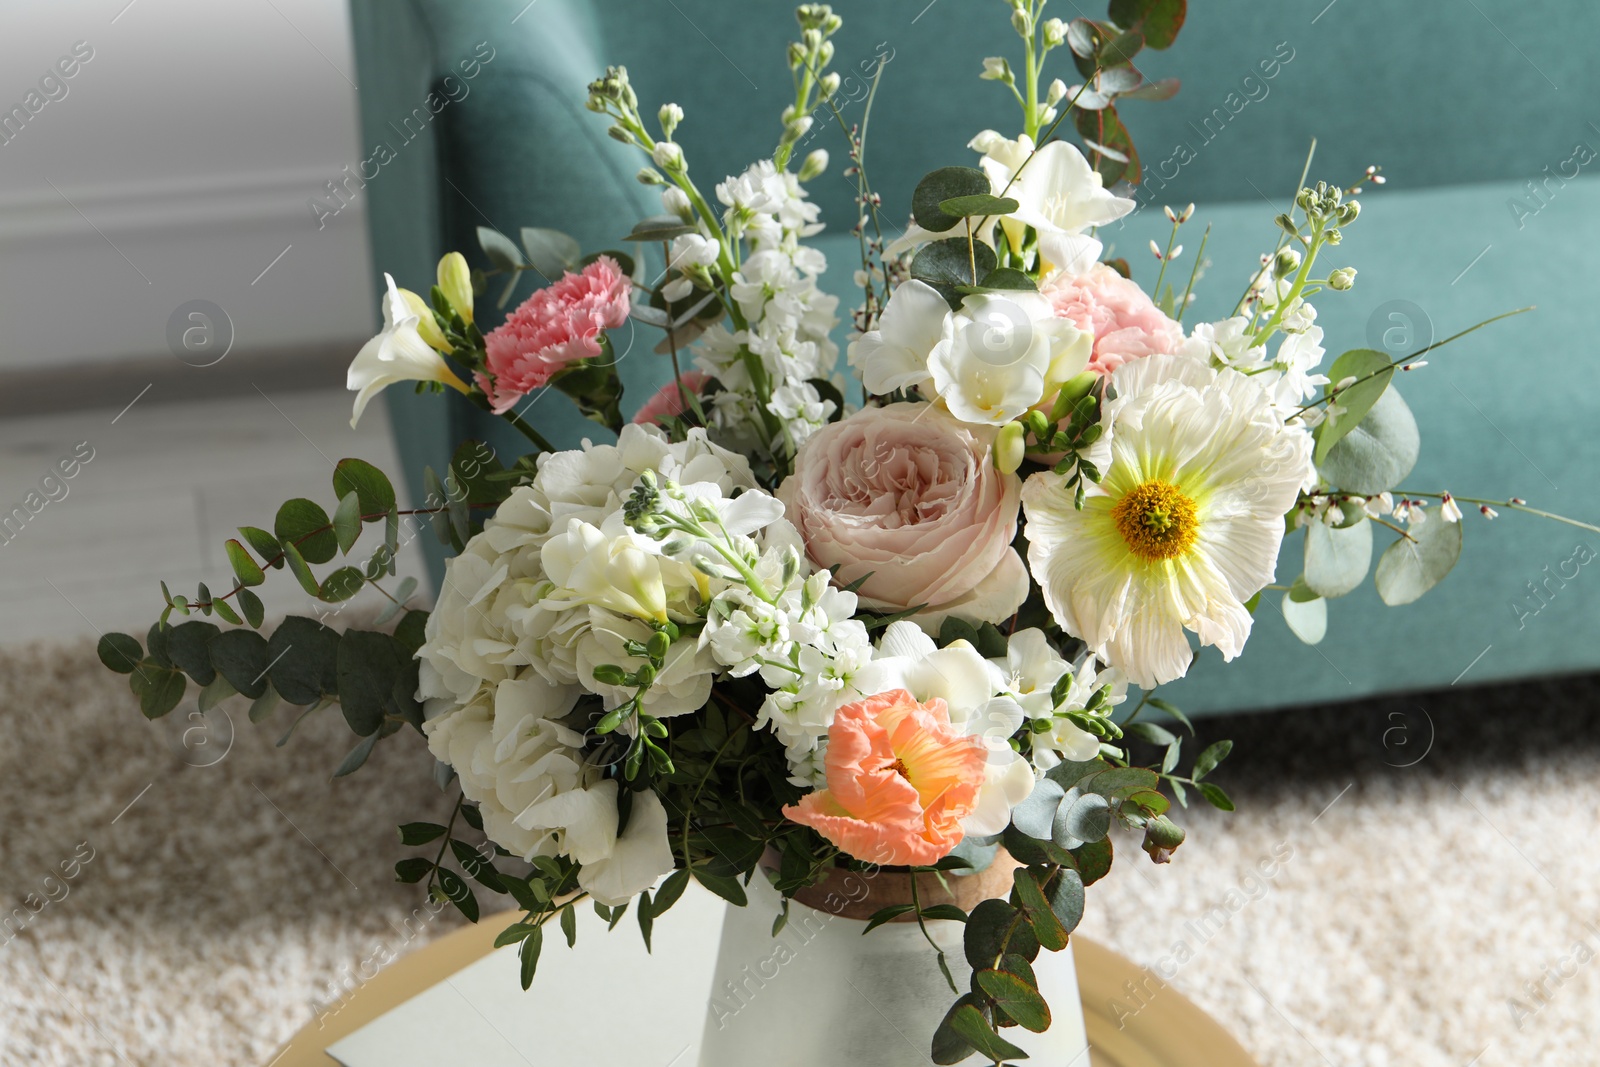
(1125, 323)
(557, 325)
(668, 400)
(907, 498)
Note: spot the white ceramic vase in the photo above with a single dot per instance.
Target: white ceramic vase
(820, 994)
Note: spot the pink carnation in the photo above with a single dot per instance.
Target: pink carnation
(557, 325)
(1125, 323)
(668, 400)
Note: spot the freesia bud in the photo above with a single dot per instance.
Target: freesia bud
(1009, 447)
(427, 327)
(455, 278)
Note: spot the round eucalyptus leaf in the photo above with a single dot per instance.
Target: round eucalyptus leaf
(1337, 559)
(1307, 619)
(1408, 569)
(1378, 452)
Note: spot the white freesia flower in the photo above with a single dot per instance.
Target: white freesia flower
(908, 659)
(1059, 195)
(397, 354)
(895, 355)
(996, 355)
(1183, 528)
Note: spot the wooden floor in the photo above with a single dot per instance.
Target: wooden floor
(167, 485)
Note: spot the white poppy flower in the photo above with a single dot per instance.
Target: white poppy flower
(1183, 528)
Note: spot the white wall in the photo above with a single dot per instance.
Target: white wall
(177, 167)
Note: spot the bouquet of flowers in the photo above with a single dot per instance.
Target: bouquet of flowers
(775, 630)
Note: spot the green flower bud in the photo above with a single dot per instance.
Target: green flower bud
(455, 278)
(609, 674)
(1009, 447)
(1348, 213)
(1287, 263)
(427, 326)
(1077, 388)
(658, 645)
(814, 164)
(1055, 32)
(1021, 23)
(1342, 279)
(670, 115)
(650, 176)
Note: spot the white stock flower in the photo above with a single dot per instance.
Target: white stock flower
(397, 354)
(1184, 526)
(996, 355)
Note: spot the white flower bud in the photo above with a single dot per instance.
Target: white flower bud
(825, 54)
(996, 69)
(801, 126)
(814, 164)
(1021, 23)
(1055, 32)
(1057, 93)
(1342, 279)
(676, 202)
(830, 84)
(650, 176)
(670, 115)
(667, 156)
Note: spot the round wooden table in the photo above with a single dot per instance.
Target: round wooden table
(1169, 1031)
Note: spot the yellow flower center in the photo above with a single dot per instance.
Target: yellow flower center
(1157, 520)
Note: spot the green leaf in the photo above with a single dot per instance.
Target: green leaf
(304, 524)
(222, 608)
(357, 756)
(948, 1045)
(265, 544)
(241, 657)
(1094, 860)
(347, 521)
(119, 652)
(302, 573)
(1408, 569)
(420, 833)
(1087, 818)
(371, 486)
(1208, 760)
(215, 693)
(1017, 998)
(1356, 400)
(1036, 814)
(532, 945)
(647, 920)
(1105, 129)
(1066, 898)
(936, 187)
(670, 890)
(189, 647)
(979, 204)
(1377, 454)
(569, 924)
(659, 228)
(342, 584)
(968, 1021)
(156, 641)
(459, 893)
(723, 886)
(1046, 927)
(1158, 20)
(984, 939)
(412, 631)
(501, 250)
(1161, 89)
(244, 567)
(368, 665)
(1216, 796)
(550, 252)
(1120, 49)
(158, 688)
(1003, 279)
(514, 933)
(947, 912)
(264, 704)
(254, 610)
(1307, 619)
(1172, 709)
(481, 869)
(412, 869)
(946, 264)
(1337, 559)
(886, 915)
(1151, 733)
(304, 657)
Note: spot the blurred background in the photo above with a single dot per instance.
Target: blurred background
(187, 266)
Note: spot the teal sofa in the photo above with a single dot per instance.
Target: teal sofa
(1479, 116)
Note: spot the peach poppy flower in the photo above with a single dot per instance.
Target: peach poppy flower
(900, 780)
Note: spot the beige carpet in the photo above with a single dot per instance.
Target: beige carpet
(1430, 915)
